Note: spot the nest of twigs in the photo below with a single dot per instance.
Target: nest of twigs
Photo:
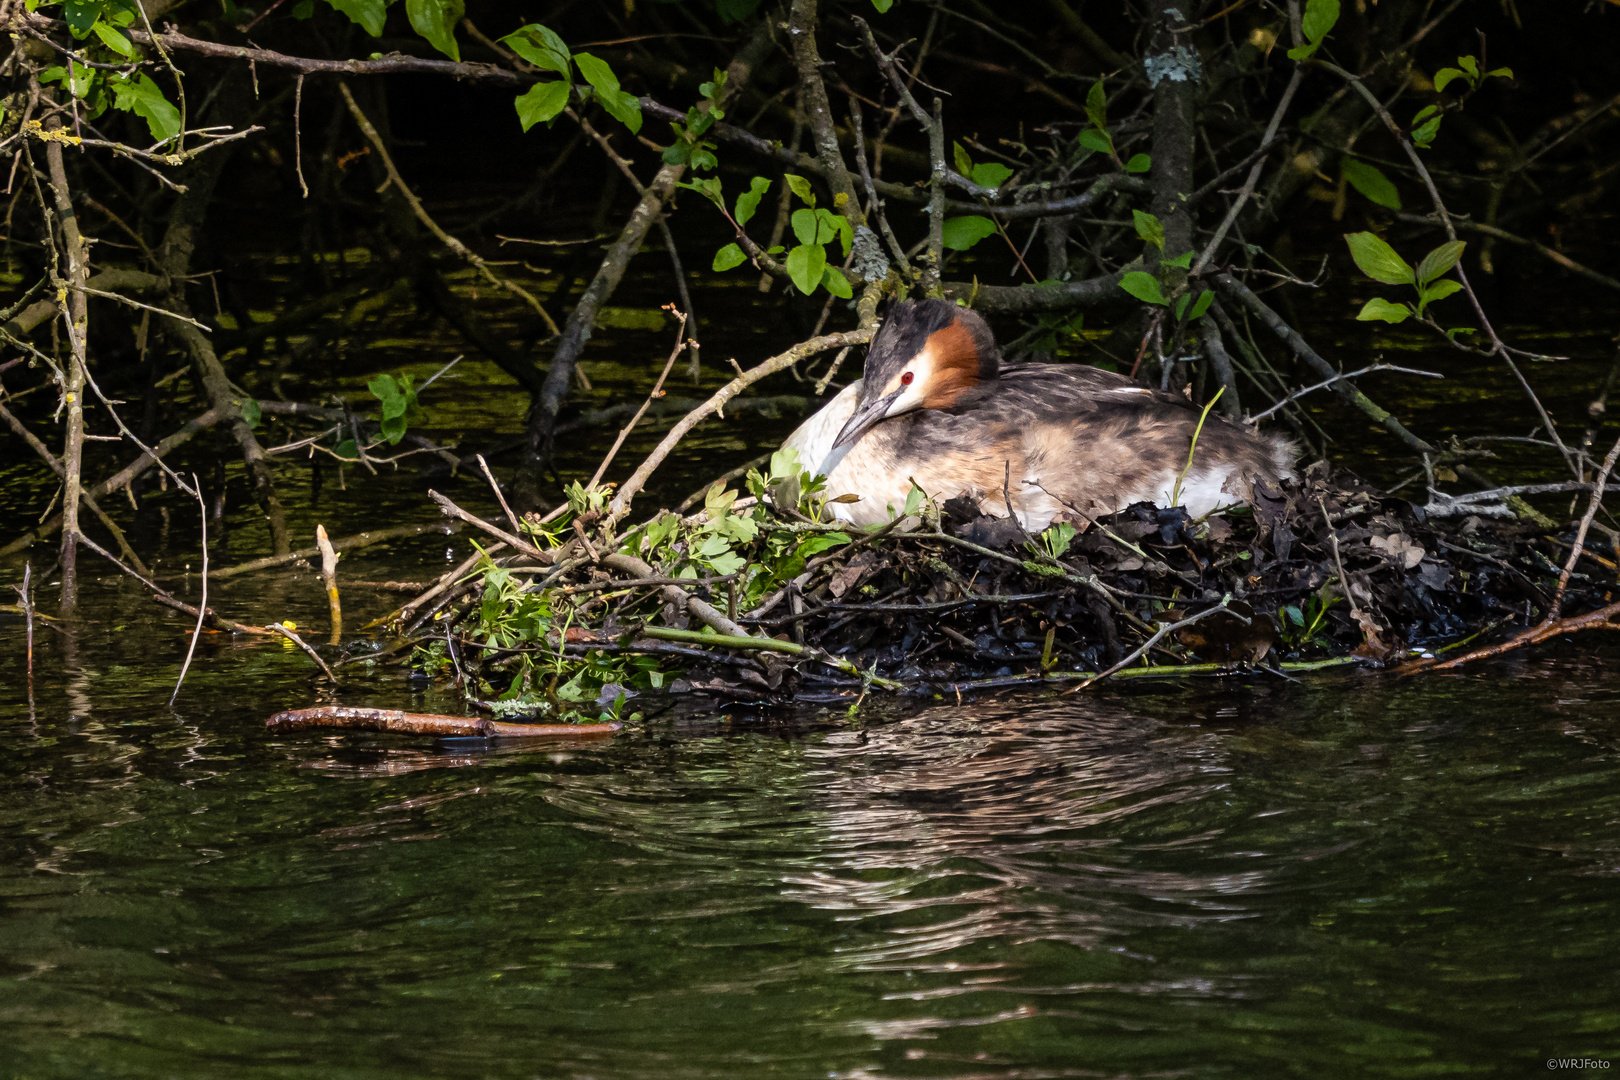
(1320, 570)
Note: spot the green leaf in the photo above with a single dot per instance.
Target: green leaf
(304, 9)
(1143, 286)
(383, 387)
(678, 152)
(1139, 163)
(830, 225)
(960, 159)
(1506, 73)
(1320, 15)
(1425, 112)
(815, 545)
(1424, 135)
(1379, 309)
(804, 226)
(1303, 52)
(882, 6)
(805, 265)
(81, 15)
(251, 413)
(1378, 260)
(748, 201)
(393, 428)
(1181, 305)
(1440, 260)
(961, 233)
(621, 106)
(542, 103)
(114, 40)
(914, 501)
(436, 21)
(1442, 289)
(1371, 182)
(708, 187)
(834, 281)
(1445, 77)
(1470, 65)
(142, 96)
(1438, 291)
(1097, 105)
(369, 14)
(348, 450)
(801, 187)
(1181, 262)
(541, 47)
(1149, 228)
(991, 174)
(729, 257)
(1205, 299)
(1096, 139)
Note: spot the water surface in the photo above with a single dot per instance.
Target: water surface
(1351, 875)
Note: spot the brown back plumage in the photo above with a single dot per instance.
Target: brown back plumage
(1044, 441)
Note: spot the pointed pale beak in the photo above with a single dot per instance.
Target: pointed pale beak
(865, 416)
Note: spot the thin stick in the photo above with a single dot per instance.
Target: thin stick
(445, 581)
(1254, 173)
(717, 401)
(657, 392)
(138, 305)
(1541, 249)
(728, 641)
(110, 557)
(329, 561)
(28, 614)
(296, 640)
(298, 130)
(1601, 619)
(202, 605)
(1158, 635)
(832, 371)
(1586, 523)
(1350, 375)
(496, 488)
(695, 368)
(415, 204)
(347, 543)
(450, 509)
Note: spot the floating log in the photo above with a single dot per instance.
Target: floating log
(361, 719)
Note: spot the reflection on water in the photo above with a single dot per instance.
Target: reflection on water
(1349, 876)
(1353, 875)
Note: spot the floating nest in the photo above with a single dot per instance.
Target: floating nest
(1318, 571)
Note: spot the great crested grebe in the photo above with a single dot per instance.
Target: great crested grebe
(936, 406)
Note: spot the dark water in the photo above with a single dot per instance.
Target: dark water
(1354, 875)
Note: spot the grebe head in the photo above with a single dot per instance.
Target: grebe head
(926, 355)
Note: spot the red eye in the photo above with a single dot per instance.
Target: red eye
(905, 380)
